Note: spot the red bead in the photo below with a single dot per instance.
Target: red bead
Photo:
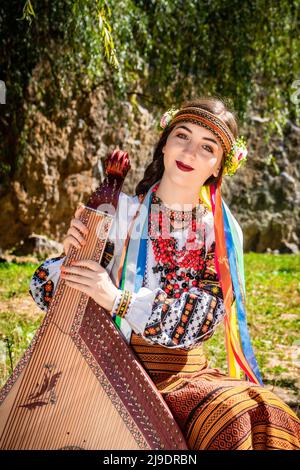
(165, 247)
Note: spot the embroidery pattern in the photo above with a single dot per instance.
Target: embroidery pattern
(108, 253)
(42, 286)
(45, 277)
(193, 317)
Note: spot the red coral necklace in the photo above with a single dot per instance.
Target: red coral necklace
(180, 268)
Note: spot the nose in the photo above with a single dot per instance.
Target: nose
(189, 152)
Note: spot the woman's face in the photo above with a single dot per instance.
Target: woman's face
(195, 146)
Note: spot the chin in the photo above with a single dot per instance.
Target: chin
(183, 180)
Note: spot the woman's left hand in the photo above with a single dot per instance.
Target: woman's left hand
(91, 278)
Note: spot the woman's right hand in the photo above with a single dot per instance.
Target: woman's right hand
(77, 232)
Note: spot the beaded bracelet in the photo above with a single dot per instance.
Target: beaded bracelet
(123, 303)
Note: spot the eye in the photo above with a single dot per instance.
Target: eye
(210, 149)
(184, 135)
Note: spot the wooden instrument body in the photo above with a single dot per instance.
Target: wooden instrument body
(79, 384)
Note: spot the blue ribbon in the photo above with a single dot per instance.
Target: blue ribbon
(241, 313)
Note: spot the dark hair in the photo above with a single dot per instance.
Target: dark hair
(155, 170)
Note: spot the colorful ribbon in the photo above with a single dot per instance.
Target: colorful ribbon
(230, 269)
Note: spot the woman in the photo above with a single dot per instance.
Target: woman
(173, 271)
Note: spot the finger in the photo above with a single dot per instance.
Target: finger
(79, 210)
(77, 279)
(93, 265)
(76, 234)
(79, 287)
(73, 241)
(77, 270)
(80, 226)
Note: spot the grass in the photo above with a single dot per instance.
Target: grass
(19, 315)
(272, 303)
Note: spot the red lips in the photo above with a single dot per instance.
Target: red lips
(183, 167)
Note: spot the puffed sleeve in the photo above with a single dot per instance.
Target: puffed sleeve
(175, 322)
(44, 281)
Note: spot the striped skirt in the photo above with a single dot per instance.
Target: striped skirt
(213, 410)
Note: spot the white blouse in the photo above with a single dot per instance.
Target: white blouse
(146, 314)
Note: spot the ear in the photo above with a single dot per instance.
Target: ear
(216, 172)
(163, 149)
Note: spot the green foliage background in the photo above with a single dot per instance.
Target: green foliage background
(155, 52)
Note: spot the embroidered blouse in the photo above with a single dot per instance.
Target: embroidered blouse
(159, 318)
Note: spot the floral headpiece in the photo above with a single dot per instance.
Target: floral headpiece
(235, 149)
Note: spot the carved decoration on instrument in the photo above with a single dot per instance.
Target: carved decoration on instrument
(44, 393)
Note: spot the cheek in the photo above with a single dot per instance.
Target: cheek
(170, 155)
(213, 162)
(204, 163)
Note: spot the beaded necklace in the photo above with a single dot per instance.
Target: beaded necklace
(180, 269)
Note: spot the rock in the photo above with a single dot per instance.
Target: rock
(288, 177)
(64, 152)
(38, 245)
(289, 248)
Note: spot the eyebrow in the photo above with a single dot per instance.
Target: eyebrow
(204, 138)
